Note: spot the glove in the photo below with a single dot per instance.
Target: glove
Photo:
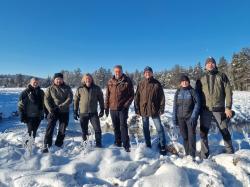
(161, 112)
(193, 122)
(101, 114)
(76, 115)
(137, 112)
(55, 110)
(23, 118)
(107, 112)
(53, 113)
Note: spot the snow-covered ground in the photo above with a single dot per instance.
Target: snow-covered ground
(79, 165)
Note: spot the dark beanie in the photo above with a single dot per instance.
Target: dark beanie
(210, 59)
(58, 75)
(147, 68)
(184, 78)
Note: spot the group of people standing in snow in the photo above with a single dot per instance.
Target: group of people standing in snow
(211, 99)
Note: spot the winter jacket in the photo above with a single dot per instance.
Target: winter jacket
(31, 102)
(58, 97)
(186, 104)
(119, 93)
(149, 98)
(87, 99)
(216, 91)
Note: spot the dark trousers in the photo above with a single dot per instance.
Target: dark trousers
(63, 119)
(95, 122)
(188, 133)
(206, 118)
(119, 120)
(33, 124)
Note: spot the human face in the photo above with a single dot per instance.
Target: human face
(58, 81)
(148, 74)
(34, 83)
(210, 66)
(118, 73)
(184, 84)
(88, 81)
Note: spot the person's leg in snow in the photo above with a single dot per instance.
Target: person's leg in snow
(184, 133)
(116, 125)
(205, 123)
(123, 116)
(84, 120)
(52, 119)
(146, 132)
(221, 122)
(63, 123)
(34, 124)
(161, 134)
(95, 122)
(191, 139)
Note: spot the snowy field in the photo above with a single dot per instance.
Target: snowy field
(77, 164)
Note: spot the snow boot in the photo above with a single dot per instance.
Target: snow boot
(127, 149)
(45, 150)
(163, 150)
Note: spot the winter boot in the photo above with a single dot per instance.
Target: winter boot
(163, 150)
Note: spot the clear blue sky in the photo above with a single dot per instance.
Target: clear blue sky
(40, 37)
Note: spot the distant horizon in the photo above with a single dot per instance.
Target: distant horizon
(40, 38)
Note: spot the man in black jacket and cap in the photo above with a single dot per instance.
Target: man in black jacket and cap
(58, 98)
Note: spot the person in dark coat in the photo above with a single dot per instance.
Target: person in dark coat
(31, 106)
(150, 102)
(185, 114)
(119, 96)
(86, 101)
(58, 98)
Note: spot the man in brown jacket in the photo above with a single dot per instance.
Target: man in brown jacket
(57, 100)
(119, 96)
(86, 101)
(150, 102)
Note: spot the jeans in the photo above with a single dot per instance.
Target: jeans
(159, 128)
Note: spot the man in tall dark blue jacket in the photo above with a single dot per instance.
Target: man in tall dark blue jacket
(185, 114)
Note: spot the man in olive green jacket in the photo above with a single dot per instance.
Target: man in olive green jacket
(30, 106)
(216, 98)
(86, 99)
(58, 98)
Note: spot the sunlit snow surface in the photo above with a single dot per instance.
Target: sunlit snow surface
(78, 165)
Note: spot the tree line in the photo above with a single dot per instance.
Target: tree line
(238, 71)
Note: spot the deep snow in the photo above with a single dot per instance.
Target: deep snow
(78, 165)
